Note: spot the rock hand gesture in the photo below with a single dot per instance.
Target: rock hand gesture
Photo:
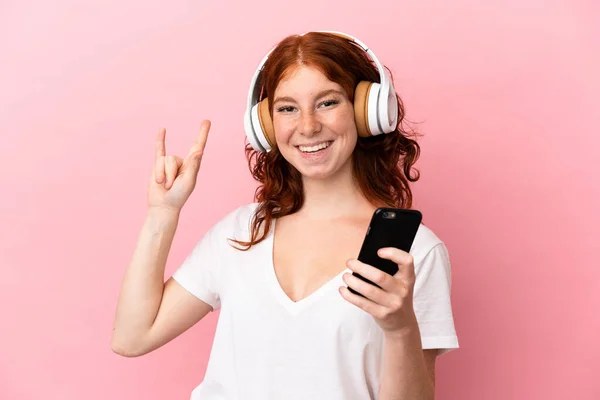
(173, 178)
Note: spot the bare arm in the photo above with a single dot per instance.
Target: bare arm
(408, 371)
(149, 311)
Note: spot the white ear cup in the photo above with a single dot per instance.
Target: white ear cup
(382, 114)
(392, 111)
(387, 107)
(251, 134)
(373, 110)
(252, 126)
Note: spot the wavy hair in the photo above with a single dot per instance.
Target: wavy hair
(382, 164)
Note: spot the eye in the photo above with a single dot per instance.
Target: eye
(329, 103)
(285, 109)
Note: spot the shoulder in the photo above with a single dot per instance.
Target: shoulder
(425, 242)
(236, 222)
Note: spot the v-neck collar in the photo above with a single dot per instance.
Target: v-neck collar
(294, 307)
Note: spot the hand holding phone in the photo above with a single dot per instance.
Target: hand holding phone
(389, 227)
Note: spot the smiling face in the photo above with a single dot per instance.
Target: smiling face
(313, 119)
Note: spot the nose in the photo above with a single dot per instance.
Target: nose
(309, 123)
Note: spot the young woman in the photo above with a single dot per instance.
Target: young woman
(328, 147)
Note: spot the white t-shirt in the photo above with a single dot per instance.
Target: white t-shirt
(267, 346)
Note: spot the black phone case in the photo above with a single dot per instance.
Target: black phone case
(384, 230)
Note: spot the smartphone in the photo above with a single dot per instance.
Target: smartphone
(389, 227)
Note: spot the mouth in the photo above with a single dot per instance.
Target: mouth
(314, 147)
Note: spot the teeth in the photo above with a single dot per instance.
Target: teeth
(312, 149)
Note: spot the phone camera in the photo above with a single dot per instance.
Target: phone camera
(389, 215)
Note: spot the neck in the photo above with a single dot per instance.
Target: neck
(336, 197)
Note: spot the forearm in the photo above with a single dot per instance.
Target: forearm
(404, 374)
(143, 283)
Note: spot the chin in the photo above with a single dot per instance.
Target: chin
(317, 175)
(323, 172)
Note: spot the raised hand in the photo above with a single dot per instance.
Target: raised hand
(173, 178)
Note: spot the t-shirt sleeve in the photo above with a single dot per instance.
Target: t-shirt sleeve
(432, 303)
(199, 273)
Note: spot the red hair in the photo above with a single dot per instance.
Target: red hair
(381, 164)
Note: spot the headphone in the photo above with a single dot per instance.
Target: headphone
(375, 105)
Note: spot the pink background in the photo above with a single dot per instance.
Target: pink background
(506, 93)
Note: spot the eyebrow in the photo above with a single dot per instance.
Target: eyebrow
(321, 94)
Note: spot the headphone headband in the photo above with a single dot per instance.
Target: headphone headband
(383, 101)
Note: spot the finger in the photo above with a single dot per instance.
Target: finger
(159, 170)
(170, 170)
(194, 158)
(159, 156)
(371, 292)
(386, 281)
(201, 138)
(363, 303)
(160, 148)
(403, 259)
